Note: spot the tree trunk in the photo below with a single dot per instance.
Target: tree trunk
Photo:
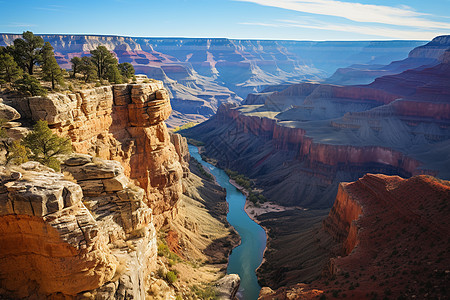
(30, 67)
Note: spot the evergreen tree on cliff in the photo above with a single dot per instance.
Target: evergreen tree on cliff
(9, 70)
(45, 145)
(30, 86)
(87, 68)
(76, 63)
(126, 69)
(50, 68)
(102, 59)
(113, 73)
(27, 52)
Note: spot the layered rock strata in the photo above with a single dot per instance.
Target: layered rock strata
(91, 236)
(201, 74)
(123, 123)
(391, 231)
(306, 138)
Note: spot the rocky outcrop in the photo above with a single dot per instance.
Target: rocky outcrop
(390, 232)
(227, 287)
(123, 123)
(410, 215)
(92, 235)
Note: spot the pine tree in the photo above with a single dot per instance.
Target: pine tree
(30, 85)
(50, 68)
(27, 51)
(45, 145)
(87, 68)
(76, 63)
(126, 69)
(9, 70)
(102, 59)
(113, 73)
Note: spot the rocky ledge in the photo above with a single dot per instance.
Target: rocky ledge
(85, 234)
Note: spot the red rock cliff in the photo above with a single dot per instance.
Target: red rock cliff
(124, 123)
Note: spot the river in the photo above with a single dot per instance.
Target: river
(246, 257)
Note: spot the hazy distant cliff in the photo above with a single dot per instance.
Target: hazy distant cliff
(423, 56)
(200, 74)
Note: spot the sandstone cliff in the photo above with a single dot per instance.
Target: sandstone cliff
(122, 123)
(93, 238)
(391, 233)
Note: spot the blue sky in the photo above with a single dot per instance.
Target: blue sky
(240, 19)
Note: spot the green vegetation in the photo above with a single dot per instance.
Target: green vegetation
(29, 60)
(202, 170)
(9, 70)
(171, 277)
(50, 68)
(195, 142)
(246, 183)
(87, 69)
(27, 51)
(29, 85)
(102, 60)
(206, 292)
(185, 126)
(40, 145)
(127, 70)
(163, 250)
(240, 179)
(76, 64)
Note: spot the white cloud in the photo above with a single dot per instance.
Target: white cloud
(358, 12)
(382, 32)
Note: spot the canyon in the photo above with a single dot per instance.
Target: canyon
(297, 144)
(98, 230)
(201, 74)
(131, 205)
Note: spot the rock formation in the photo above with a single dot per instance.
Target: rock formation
(122, 123)
(391, 231)
(88, 237)
(201, 74)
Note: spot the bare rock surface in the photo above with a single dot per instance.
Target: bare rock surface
(60, 237)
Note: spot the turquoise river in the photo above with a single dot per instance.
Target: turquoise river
(246, 257)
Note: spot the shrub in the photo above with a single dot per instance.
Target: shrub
(44, 145)
(30, 86)
(17, 153)
(171, 277)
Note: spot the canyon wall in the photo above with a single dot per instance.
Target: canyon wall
(303, 140)
(123, 123)
(201, 74)
(390, 232)
(427, 55)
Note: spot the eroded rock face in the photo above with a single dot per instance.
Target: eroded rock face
(87, 230)
(123, 123)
